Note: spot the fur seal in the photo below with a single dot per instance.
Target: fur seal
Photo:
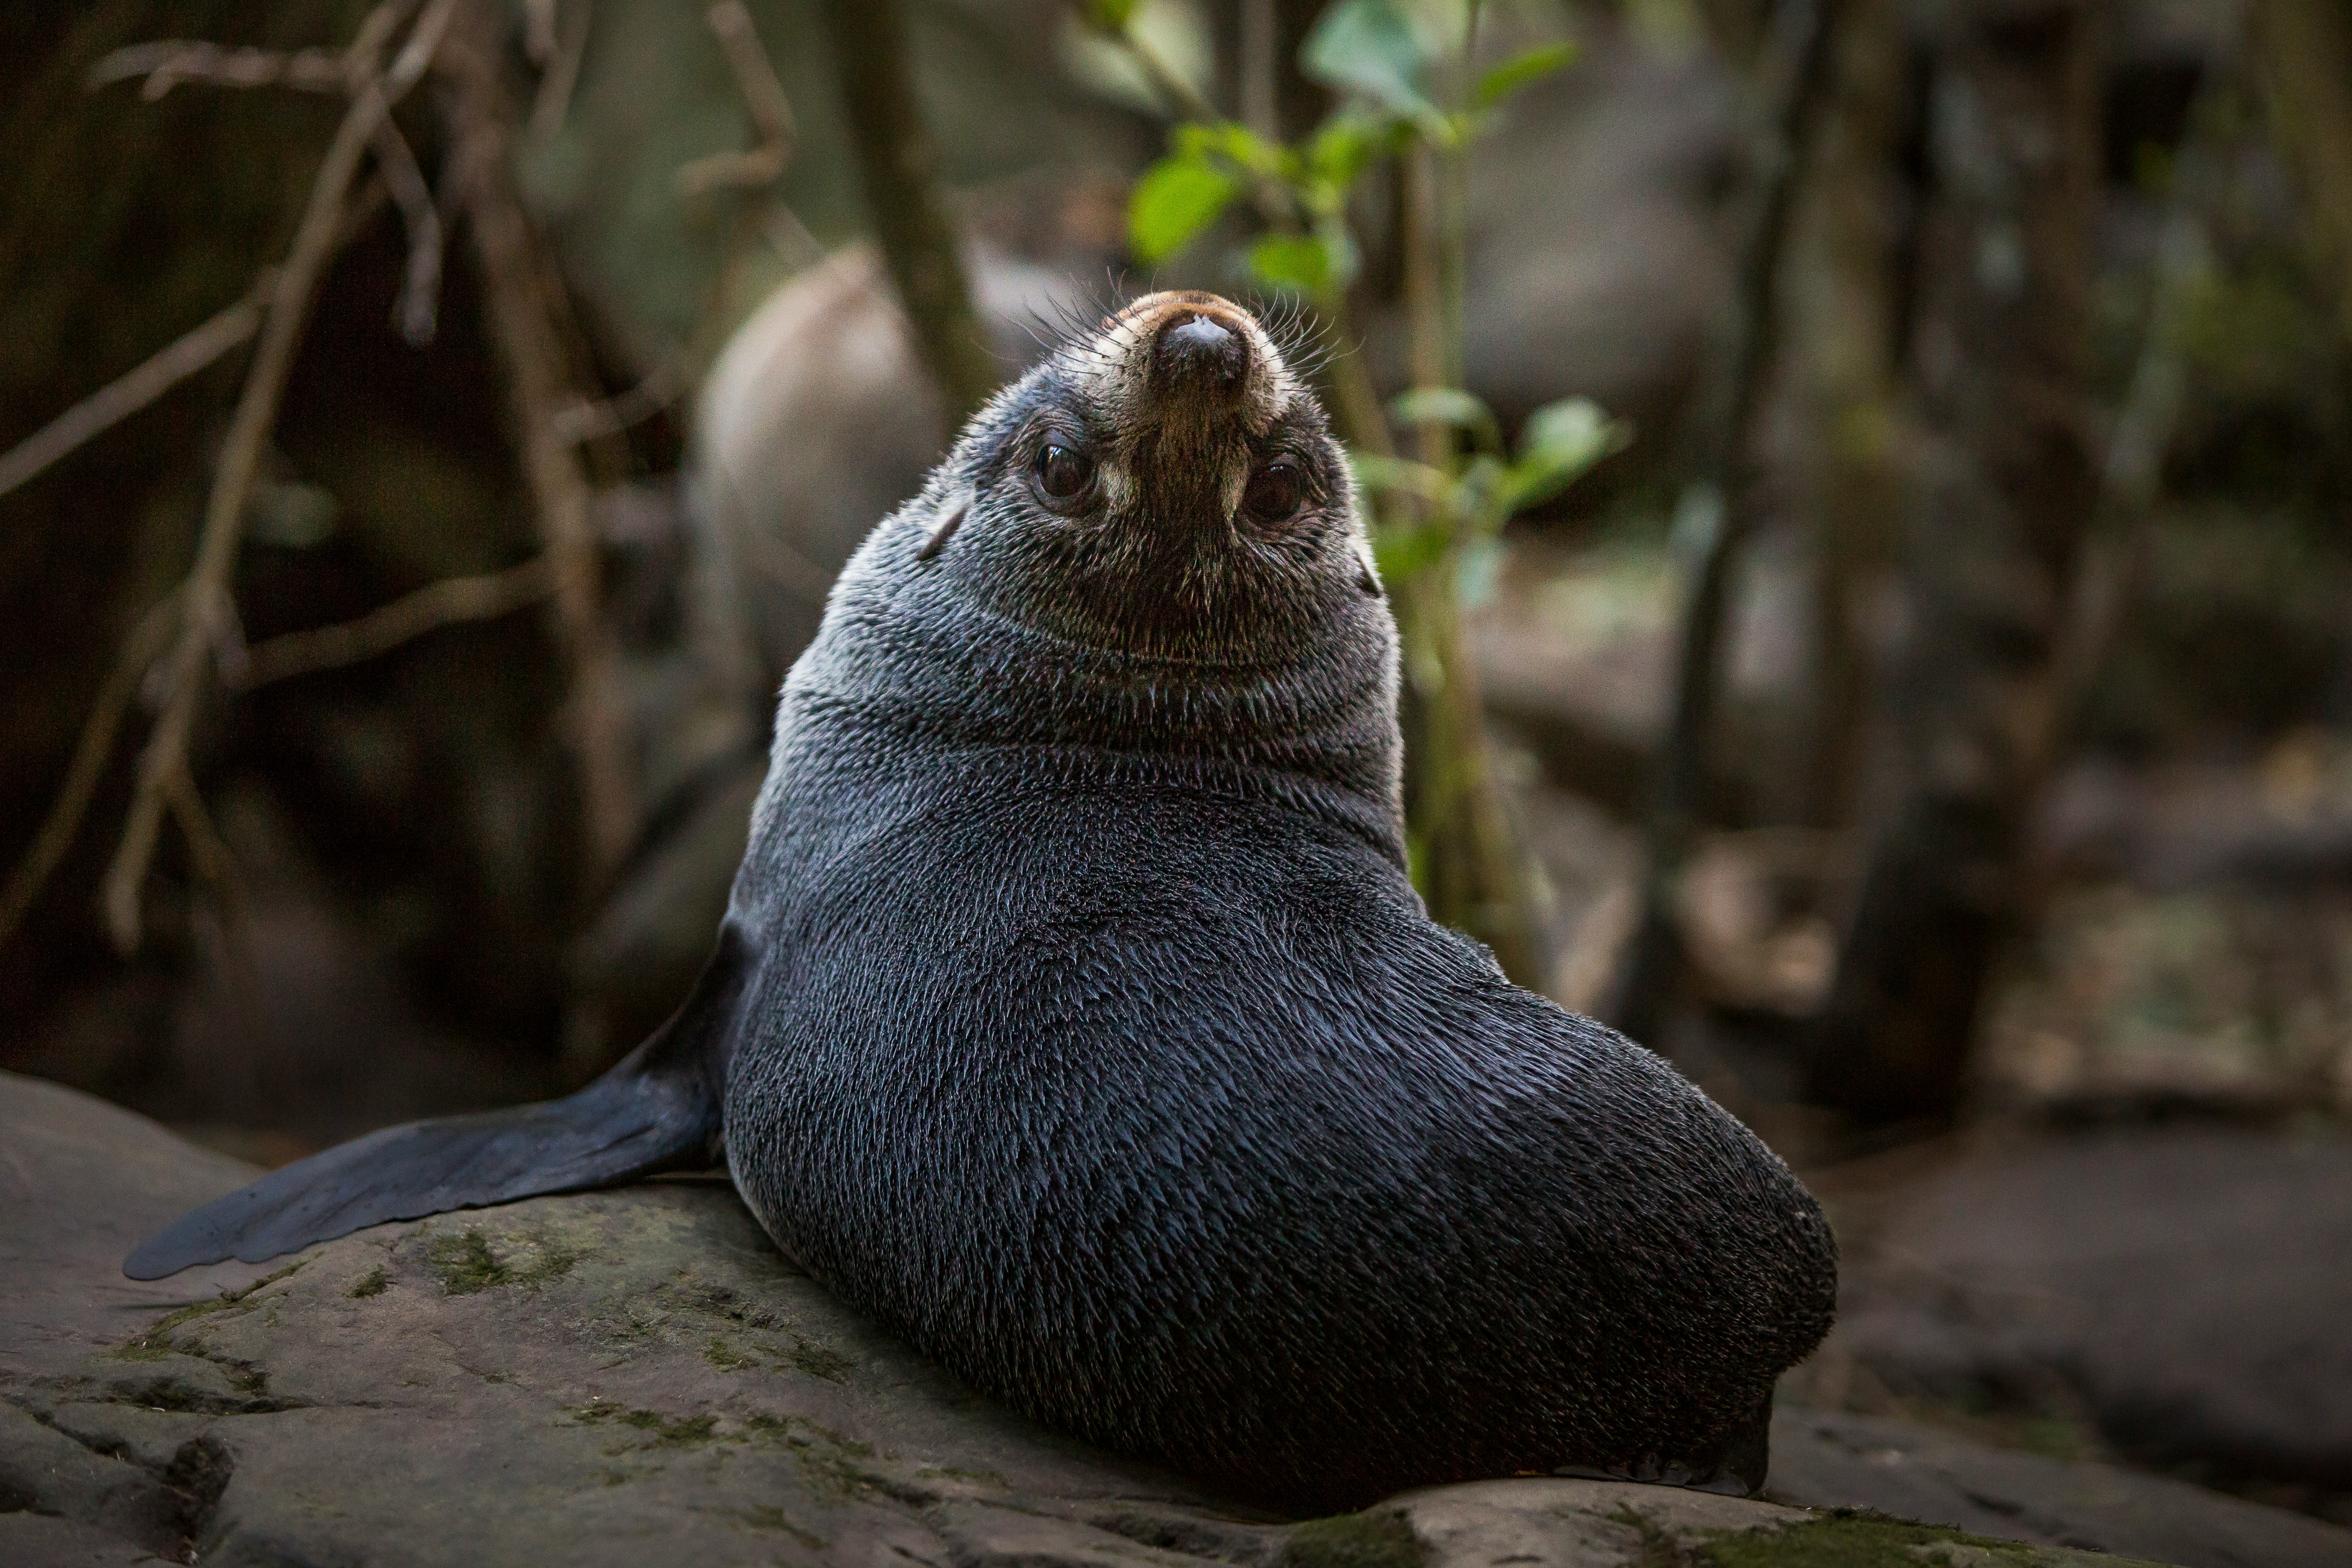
(1074, 1013)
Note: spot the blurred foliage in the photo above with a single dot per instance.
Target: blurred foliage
(2228, 996)
(1435, 519)
(676, 269)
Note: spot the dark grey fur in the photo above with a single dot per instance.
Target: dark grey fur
(1077, 1018)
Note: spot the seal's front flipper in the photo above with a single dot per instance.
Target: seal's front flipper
(658, 1111)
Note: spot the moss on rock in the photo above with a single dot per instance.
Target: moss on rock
(1371, 1539)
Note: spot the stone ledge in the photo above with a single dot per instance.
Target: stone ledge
(625, 1377)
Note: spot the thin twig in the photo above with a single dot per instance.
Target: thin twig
(140, 649)
(210, 855)
(204, 597)
(553, 100)
(538, 30)
(416, 56)
(167, 62)
(763, 95)
(447, 603)
(133, 390)
(418, 306)
(523, 321)
(1177, 96)
(1261, 68)
(585, 422)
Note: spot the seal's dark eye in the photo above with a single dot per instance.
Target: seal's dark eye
(1063, 471)
(1275, 491)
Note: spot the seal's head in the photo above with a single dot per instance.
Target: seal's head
(1165, 487)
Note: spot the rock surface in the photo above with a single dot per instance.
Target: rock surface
(625, 1377)
(1825, 1460)
(2183, 1290)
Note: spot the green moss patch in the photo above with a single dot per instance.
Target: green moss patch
(1853, 1538)
(727, 1358)
(664, 1431)
(157, 1342)
(465, 1264)
(1355, 1541)
(818, 1362)
(371, 1283)
(812, 1359)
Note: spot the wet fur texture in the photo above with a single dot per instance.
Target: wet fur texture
(1075, 1015)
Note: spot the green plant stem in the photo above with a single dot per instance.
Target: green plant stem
(1475, 872)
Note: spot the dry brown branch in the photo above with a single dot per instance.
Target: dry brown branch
(145, 644)
(538, 30)
(585, 422)
(167, 62)
(442, 604)
(203, 601)
(416, 55)
(568, 42)
(133, 390)
(420, 287)
(209, 854)
(763, 95)
(524, 324)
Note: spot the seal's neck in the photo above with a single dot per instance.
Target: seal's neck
(900, 647)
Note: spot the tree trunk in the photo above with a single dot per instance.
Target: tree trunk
(2306, 55)
(2006, 494)
(1843, 338)
(899, 165)
(1719, 505)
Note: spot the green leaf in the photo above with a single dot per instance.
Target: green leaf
(1291, 261)
(1368, 47)
(1516, 72)
(1574, 429)
(1237, 143)
(1339, 151)
(1402, 554)
(1374, 472)
(1479, 492)
(1174, 201)
(1111, 16)
(1447, 406)
(1561, 442)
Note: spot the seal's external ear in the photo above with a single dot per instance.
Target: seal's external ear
(941, 534)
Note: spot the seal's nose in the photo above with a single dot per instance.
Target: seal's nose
(1195, 351)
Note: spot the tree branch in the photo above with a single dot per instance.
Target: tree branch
(203, 601)
(446, 603)
(524, 324)
(135, 389)
(167, 62)
(763, 95)
(899, 166)
(140, 649)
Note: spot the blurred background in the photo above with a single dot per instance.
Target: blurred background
(1910, 685)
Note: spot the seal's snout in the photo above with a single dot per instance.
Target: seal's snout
(1195, 352)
